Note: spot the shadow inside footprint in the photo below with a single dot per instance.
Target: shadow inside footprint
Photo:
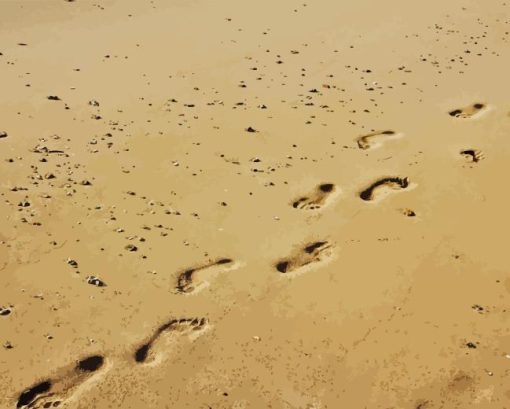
(32, 393)
(192, 279)
(368, 194)
(91, 364)
(309, 254)
(183, 326)
(315, 200)
(467, 112)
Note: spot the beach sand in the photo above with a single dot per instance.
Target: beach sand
(271, 204)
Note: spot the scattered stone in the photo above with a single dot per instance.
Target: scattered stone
(471, 345)
(5, 311)
(3, 134)
(131, 247)
(72, 263)
(7, 345)
(94, 103)
(53, 98)
(93, 280)
(478, 308)
(250, 129)
(85, 183)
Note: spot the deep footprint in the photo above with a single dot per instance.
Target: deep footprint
(183, 326)
(375, 139)
(393, 183)
(318, 199)
(52, 393)
(194, 279)
(472, 155)
(311, 253)
(469, 111)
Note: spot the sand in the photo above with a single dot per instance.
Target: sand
(271, 204)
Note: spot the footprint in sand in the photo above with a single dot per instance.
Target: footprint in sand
(472, 155)
(383, 186)
(195, 279)
(468, 112)
(318, 199)
(168, 333)
(375, 139)
(52, 393)
(311, 254)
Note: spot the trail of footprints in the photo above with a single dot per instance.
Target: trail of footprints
(51, 393)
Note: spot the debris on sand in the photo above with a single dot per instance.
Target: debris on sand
(93, 280)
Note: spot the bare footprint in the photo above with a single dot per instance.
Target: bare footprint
(148, 352)
(51, 393)
(316, 200)
(469, 111)
(195, 279)
(310, 254)
(472, 155)
(375, 139)
(383, 186)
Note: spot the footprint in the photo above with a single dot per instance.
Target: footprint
(384, 185)
(184, 326)
(318, 199)
(469, 111)
(312, 253)
(51, 393)
(472, 155)
(194, 279)
(375, 139)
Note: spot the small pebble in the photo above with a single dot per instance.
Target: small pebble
(5, 311)
(93, 280)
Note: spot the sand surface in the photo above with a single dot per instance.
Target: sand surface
(270, 204)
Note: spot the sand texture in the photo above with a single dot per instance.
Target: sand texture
(247, 205)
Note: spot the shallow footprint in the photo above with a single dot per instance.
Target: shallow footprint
(147, 353)
(469, 111)
(384, 186)
(51, 393)
(375, 139)
(472, 155)
(195, 279)
(310, 254)
(318, 199)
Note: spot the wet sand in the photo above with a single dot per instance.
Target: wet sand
(254, 204)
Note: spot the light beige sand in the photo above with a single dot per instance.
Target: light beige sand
(290, 205)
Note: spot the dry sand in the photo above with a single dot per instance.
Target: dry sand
(270, 204)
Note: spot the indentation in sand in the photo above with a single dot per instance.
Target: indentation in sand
(195, 279)
(376, 139)
(319, 198)
(54, 392)
(310, 255)
(152, 351)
